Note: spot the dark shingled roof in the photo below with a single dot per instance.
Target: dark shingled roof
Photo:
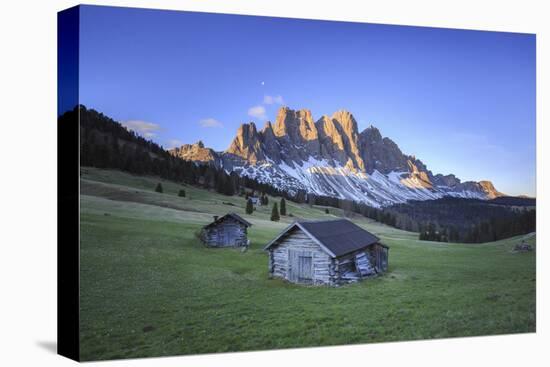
(339, 236)
(234, 216)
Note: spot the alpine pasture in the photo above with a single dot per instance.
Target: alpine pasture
(150, 288)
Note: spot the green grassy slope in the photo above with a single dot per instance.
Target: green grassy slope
(149, 288)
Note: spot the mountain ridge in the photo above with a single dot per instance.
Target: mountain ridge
(331, 157)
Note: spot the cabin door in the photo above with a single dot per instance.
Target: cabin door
(223, 237)
(224, 234)
(300, 266)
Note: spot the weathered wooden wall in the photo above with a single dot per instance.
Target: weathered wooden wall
(346, 263)
(381, 254)
(227, 233)
(326, 270)
(280, 259)
(343, 265)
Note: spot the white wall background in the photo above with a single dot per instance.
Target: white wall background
(28, 182)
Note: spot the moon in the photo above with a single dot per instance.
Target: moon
(263, 83)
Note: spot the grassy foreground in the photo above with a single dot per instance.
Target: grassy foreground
(149, 288)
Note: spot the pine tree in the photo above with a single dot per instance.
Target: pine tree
(181, 193)
(209, 177)
(283, 206)
(249, 207)
(158, 188)
(229, 188)
(455, 236)
(275, 213)
(326, 211)
(433, 232)
(310, 200)
(221, 182)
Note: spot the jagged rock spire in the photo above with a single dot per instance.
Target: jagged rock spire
(331, 157)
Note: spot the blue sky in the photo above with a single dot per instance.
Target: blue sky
(461, 101)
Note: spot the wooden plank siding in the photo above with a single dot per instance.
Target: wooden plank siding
(227, 233)
(382, 258)
(284, 257)
(290, 256)
(377, 255)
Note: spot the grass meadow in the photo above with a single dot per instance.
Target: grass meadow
(149, 288)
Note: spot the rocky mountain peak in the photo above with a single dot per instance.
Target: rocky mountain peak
(340, 139)
(296, 134)
(371, 134)
(330, 157)
(346, 120)
(196, 152)
(331, 142)
(329, 135)
(297, 125)
(446, 180)
(381, 153)
(248, 130)
(489, 189)
(247, 144)
(270, 144)
(267, 127)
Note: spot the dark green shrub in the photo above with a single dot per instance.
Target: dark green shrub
(275, 213)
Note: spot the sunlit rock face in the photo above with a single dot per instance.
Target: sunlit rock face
(247, 144)
(196, 152)
(346, 127)
(331, 157)
(489, 189)
(297, 135)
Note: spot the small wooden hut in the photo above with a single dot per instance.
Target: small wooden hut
(229, 230)
(255, 201)
(331, 252)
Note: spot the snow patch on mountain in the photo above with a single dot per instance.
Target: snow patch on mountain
(321, 177)
(330, 157)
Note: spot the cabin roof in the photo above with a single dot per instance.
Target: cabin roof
(234, 216)
(337, 237)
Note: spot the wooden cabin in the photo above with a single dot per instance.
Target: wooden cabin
(227, 231)
(255, 201)
(333, 252)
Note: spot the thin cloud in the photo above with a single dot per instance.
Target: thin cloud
(174, 143)
(273, 100)
(143, 128)
(210, 122)
(257, 112)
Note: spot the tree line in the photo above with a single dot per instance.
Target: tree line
(464, 220)
(446, 219)
(105, 143)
